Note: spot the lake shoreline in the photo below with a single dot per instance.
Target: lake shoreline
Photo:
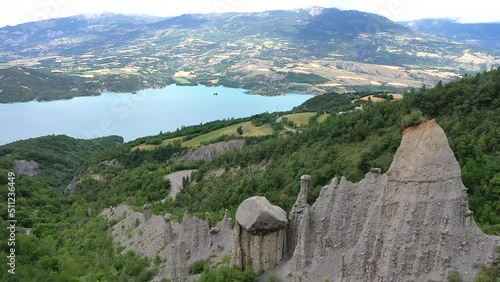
(136, 115)
(99, 93)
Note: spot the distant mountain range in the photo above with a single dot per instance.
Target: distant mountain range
(483, 34)
(309, 50)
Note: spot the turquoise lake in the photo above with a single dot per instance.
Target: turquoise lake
(135, 115)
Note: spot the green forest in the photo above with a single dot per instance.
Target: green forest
(45, 85)
(70, 241)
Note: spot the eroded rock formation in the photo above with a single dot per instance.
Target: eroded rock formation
(257, 216)
(169, 231)
(74, 183)
(209, 152)
(259, 235)
(146, 212)
(176, 180)
(178, 244)
(29, 168)
(410, 224)
(298, 221)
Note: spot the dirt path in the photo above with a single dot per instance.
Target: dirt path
(287, 128)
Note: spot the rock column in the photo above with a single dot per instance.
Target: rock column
(180, 258)
(296, 214)
(169, 232)
(259, 235)
(147, 212)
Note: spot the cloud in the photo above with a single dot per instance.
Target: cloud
(33, 10)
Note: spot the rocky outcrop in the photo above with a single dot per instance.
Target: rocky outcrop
(300, 225)
(146, 212)
(257, 216)
(259, 235)
(178, 244)
(169, 232)
(29, 168)
(193, 241)
(74, 184)
(298, 216)
(176, 180)
(178, 262)
(210, 152)
(410, 224)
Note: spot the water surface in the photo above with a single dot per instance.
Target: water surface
(135, 115)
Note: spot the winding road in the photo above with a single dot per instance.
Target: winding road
(287, 128)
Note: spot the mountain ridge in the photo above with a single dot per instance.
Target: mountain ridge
(481, 34)
(325, 51)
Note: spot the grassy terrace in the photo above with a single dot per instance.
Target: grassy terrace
(302, 119)
(151, 147)
(248, 130)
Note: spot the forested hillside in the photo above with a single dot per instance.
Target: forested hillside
(22, 84)
(19, 84)
(70, 242)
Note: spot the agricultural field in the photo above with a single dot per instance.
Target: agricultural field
(303, 119)
(249, 130)
(249, 55)
(247, 127)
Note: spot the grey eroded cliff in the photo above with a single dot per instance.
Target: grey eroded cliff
(176, 179)
(410, 224)
(29, 168)
(209, 152)
(74, 183)
(178, 244)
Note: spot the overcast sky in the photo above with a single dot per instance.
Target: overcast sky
(14, 12)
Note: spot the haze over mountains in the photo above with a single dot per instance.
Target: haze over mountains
(483, 34)
(313, 50)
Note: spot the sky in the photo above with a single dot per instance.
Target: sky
(13, 12)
